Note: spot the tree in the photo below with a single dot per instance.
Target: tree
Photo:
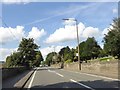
(59, 59)
(89, 49)
(49, 58)
(13, 60)
(38, 58)
(27, 49)
(26, 55)
(102, 53)
(112, 39)
(64, 52)
(9, 62)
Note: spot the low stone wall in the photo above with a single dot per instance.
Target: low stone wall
(104, 68)
(1, 65)
(9, 72)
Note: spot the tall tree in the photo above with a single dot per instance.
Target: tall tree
(89, 49)
(27, 55)
(64, 52)
(112, 39)
(27, 48)
(49, 58)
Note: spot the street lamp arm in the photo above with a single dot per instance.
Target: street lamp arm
(73, 19)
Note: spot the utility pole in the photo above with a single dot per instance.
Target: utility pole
(76, 24)
(78, 46)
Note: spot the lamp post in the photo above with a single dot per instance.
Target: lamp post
(76, 24)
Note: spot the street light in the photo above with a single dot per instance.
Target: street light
(76, 24)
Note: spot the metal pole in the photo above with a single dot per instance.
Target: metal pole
(79, 63)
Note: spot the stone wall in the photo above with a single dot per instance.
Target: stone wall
(9, 72)
(104, 68)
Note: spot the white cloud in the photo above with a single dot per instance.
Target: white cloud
(69, 33)
(11, 34)
(36, 33)
(115, 10)
(91, 32)
(16, 1)
(4, 52)
(65, 34)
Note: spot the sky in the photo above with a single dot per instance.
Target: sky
(44, 22)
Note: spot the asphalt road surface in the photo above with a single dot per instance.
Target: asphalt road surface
(46, 77)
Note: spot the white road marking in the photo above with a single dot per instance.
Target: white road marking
(81, 84)
(59, 74)
(32, 80)
(51, 71)
(94, 75)
(55, 73)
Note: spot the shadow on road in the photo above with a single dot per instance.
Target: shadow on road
(101, 84)
(97, 84)
(58, 85)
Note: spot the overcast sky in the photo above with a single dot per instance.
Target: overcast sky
(43, 22)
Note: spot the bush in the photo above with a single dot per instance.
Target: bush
(106, 59)
(68, 61)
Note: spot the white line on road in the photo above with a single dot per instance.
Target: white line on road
(55, 73)
(59, 74)
(93, 75)
(51, 71)
(81, 84)
(32, 80)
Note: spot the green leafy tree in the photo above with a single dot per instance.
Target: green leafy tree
(112, 39)
(9, 62)
(102, 53)
(13, 60)
(59, 59)
(43, 63)
(49, 59)
(27, 48)
(26, 55)
(64, 52)
(89, 49)
(38, 59)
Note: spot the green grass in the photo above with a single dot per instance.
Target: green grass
(102, 59)
(106, 59)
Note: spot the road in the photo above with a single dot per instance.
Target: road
(46, 77)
